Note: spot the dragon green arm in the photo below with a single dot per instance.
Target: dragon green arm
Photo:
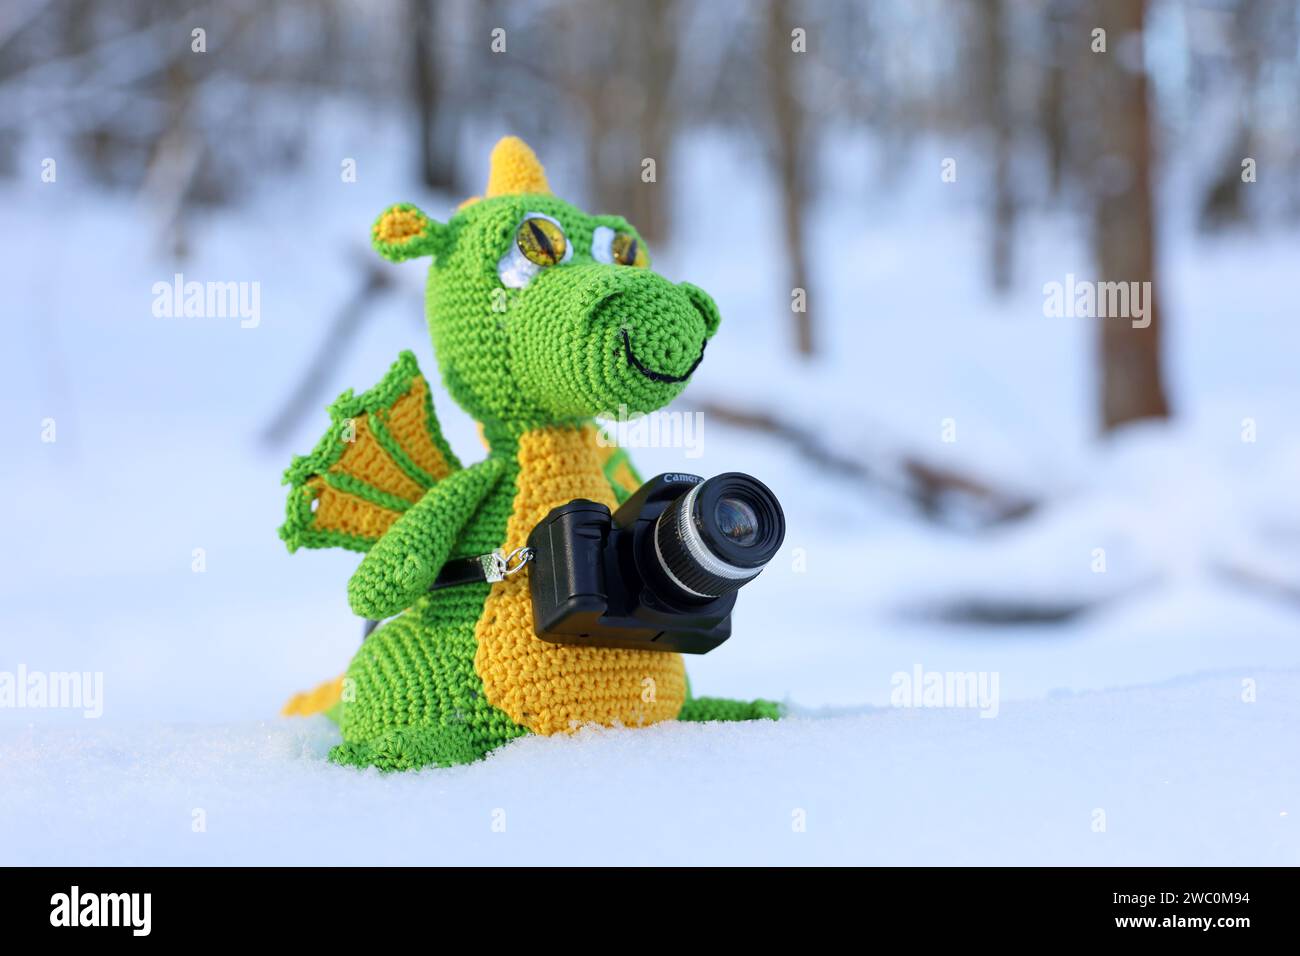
(404, 562)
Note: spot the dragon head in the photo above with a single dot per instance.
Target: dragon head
(541, 313)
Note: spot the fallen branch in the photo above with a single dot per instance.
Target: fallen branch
(1261, 580)
(1000, 613)
(309, 395)
(930, 488)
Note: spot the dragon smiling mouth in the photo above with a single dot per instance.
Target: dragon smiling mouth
(650, 373)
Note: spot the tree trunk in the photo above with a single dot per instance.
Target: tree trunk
(998, 97)
(436, 140)
(788, 141)
(1051, 106)
(1124, 228)
(1224, 202)
(629, 105)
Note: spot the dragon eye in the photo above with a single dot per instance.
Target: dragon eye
(629, 250)
(541, 241)
(618, 248)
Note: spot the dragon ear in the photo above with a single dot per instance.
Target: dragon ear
(403, 232)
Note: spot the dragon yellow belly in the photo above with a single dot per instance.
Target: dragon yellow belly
(552, 688)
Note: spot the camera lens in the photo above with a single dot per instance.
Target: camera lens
(719, 535)
(736, 520)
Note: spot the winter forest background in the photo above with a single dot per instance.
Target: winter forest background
(1104, 517)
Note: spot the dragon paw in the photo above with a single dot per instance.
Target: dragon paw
(410, 748)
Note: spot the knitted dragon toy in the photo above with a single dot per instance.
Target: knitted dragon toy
(541, 317)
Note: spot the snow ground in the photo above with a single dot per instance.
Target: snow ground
(1097, 778)
(156, 456)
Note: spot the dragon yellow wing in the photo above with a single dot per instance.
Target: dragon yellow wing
(384, 449)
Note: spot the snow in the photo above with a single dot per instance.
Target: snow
(1097, 778)
(1133, 703)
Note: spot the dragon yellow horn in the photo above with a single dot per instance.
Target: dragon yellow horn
(515, 169)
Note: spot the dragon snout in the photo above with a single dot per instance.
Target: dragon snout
(659, 329)
(628, 338)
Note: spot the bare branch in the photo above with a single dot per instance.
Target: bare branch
(930, 488)
(311, 388)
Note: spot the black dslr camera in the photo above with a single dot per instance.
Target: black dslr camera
(661, 572)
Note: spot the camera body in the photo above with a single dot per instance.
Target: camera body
(615, 580)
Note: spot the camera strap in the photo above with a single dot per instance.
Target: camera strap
(491, 567)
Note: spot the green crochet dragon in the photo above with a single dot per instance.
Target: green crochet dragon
(541, 318)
